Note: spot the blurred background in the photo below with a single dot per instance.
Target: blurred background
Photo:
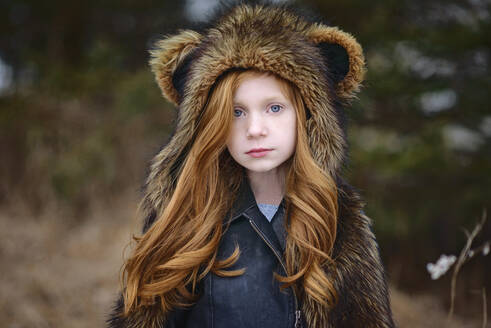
(81, 117)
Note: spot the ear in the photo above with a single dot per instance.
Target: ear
(343, 57)
(168, 59)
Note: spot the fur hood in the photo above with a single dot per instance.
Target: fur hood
(327, 66)
(325, 63)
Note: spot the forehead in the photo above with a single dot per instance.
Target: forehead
(261, 86)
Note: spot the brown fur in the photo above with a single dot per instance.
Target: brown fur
(274, 39)
(165, 62)
(289, 51)
(148, 317)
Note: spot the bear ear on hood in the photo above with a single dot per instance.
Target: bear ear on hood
(343, 57)
(169, 58)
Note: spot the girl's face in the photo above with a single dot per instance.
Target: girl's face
(263, 131)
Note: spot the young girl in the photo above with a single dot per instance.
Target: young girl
(248, 222)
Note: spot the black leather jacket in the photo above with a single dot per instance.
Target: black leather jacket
(254, 299)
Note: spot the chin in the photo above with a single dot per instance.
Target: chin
(260, 168)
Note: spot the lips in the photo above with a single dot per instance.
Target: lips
(258, 152)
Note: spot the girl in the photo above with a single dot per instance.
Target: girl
(248, 222)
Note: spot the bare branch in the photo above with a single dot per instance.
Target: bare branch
(463, 256)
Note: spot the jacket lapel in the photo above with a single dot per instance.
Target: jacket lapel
(245, 206)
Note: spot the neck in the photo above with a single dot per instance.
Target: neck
(268, 187)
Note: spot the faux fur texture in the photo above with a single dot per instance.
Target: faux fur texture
(264, 38)
(272, 38)
(145, 317)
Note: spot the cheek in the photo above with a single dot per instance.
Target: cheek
(293, 141)
(292, 129)
(233, 140)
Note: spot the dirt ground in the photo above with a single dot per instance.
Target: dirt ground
(56, 273)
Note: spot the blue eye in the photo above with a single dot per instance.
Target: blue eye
(276, 108)
(237, 112)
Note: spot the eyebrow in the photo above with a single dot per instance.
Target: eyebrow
(281, 99)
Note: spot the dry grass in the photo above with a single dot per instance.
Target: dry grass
(423, 311)
(57, 274)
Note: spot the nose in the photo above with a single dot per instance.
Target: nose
(256, 126)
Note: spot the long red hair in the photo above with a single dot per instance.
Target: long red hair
(180, 248)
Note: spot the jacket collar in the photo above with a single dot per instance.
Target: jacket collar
(245, 205)
(244, 202)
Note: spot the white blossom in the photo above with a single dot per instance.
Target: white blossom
(485, 250)
(441, 266)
